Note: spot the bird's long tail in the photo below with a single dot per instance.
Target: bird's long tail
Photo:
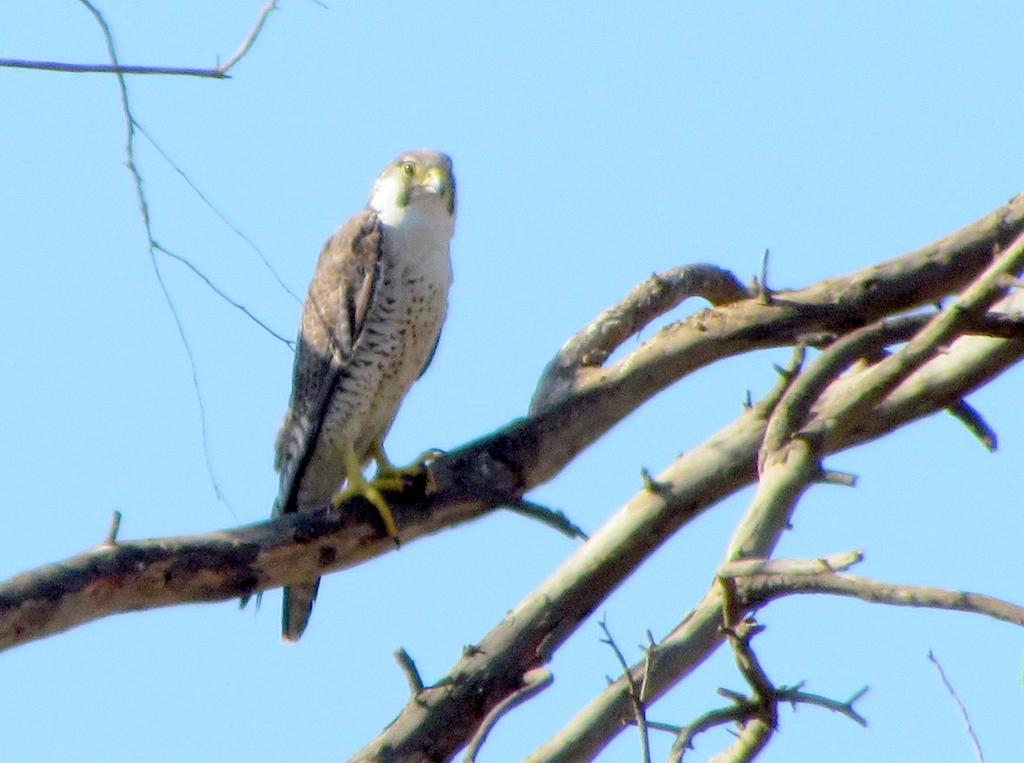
(296, 608)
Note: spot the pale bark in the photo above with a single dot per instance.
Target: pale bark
(851, 394)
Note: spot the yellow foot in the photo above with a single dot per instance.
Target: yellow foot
(357, 485)
(395, 476)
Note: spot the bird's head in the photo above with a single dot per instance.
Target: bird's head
(418, 186)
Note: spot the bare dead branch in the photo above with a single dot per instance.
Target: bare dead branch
(217, 72)
(761, 288)
(836, 306)
(808, 386)
(795, 696)
(153, 247)
(757, 715)
(475, 478)
(683, 649)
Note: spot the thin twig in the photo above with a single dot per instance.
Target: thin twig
(213, 208)
(634, 692)
(794, 696)
(248, 41)
(290, 343)
(754, 591)
(757, 715)
(147, 224)
(118, 69)
(963, 710)
(534, 682)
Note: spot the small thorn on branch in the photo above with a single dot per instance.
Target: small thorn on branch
(975, 423)
(764, 293)
(831, 477)
(412, 673)
(550, 517)
(112, 531)
(662, 489)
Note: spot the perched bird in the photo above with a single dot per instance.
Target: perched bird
(369, 328)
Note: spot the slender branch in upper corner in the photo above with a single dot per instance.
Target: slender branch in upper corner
(72, 68)
(217, 72)
(248, 41)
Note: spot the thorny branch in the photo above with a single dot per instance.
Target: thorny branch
(788, 463)
(756, 715)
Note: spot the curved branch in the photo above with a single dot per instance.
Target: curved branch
(590, 348)
(835, 306)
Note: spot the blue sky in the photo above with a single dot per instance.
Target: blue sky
(593, 145)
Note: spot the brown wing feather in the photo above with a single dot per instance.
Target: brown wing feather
(333, 318)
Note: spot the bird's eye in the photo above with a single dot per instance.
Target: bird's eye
(409, 169)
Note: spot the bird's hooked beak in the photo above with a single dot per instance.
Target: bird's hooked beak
(438, 180)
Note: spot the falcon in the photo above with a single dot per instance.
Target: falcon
(369, 328)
